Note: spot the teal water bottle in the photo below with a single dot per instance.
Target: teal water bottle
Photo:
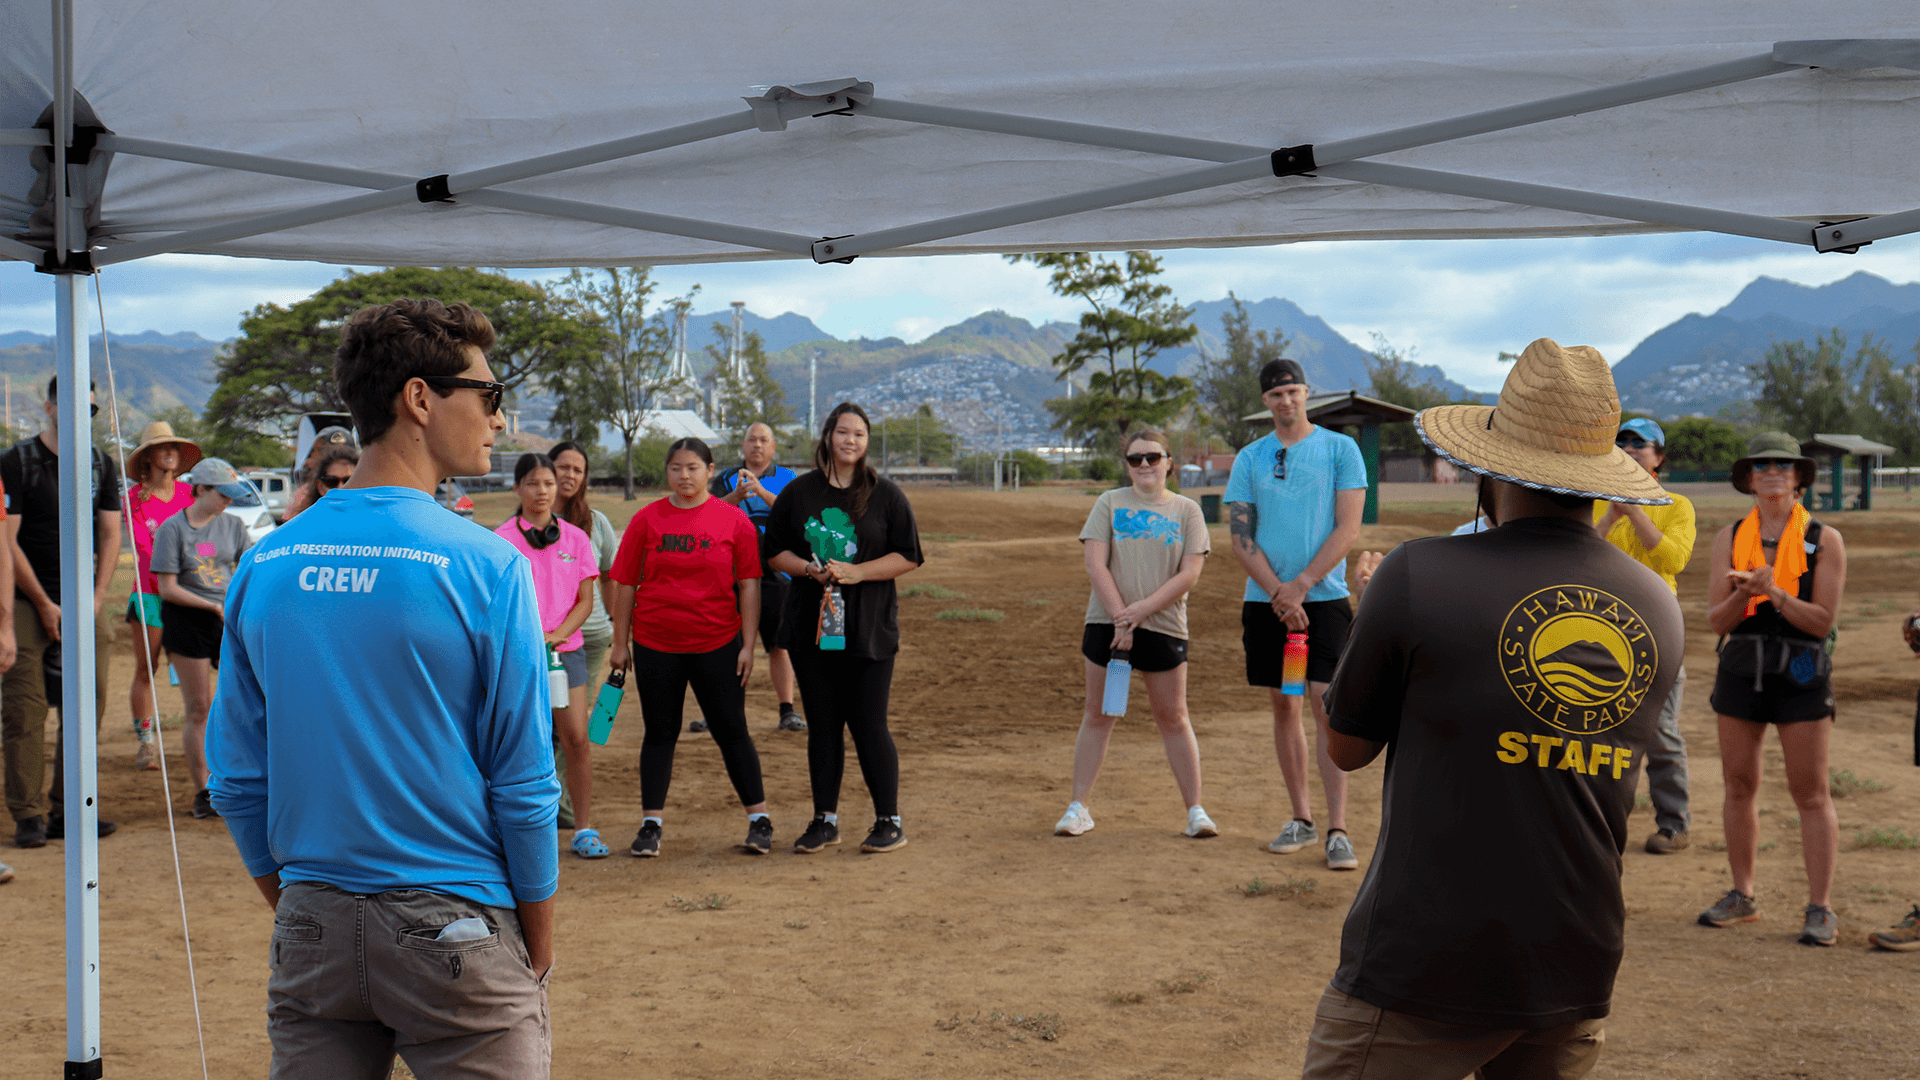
(607, 706)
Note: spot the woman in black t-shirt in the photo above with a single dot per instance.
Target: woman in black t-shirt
(1775, 588)
(845, 524)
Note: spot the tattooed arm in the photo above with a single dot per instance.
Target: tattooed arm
(1242, 520)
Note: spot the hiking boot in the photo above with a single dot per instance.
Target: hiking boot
(1666, 842)
(820, 833)
(30, 832)
(203, 804)
(57, 827)
(698, 726)
(1735, 907)
(1199, 825)
(1074, 822)
(1340, 854)
(1294, 836)
(759, 836)
(790, 721)
(646, 844)
(1822, 925)
(1904, 937)
(886, 836)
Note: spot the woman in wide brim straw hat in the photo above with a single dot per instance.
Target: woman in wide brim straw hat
(153, 465)
(1774, 590)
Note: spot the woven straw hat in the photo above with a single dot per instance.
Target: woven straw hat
(160, 433)
(1552, 430)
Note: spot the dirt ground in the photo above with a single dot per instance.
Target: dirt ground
(989, 947)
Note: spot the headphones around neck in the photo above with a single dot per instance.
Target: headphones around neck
(539, 538)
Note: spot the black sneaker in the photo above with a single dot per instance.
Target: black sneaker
(790, 721)
(759, 836)
(57, 827)
(646, 845)
(30, 832)
(886, 836)
(820, 833)
(203, 804)
(698, 726)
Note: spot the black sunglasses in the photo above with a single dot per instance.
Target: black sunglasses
(1145, 459)
(1280, 464)
(1773, 463)
(1632, 442)
(333, 481)
(495, 391)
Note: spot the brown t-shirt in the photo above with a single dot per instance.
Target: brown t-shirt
(1146, 542)
(1515, 676)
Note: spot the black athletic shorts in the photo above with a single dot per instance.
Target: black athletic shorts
(1265, 638)
(1151, 651)
(1781, 698)
(773, 601)
(191, 632)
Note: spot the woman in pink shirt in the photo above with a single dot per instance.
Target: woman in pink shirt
(564, 570)
(153, 465)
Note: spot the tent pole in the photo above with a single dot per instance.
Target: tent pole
(77, 734)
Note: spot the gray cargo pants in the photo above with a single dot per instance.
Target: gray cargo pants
(357, 978)
(1667, 764)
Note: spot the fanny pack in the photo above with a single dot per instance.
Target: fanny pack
(1805, 662)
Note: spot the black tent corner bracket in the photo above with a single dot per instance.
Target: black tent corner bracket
(84, 1070)
(1293, 160)
(76, 262)
(1831, 238)
(823, 249)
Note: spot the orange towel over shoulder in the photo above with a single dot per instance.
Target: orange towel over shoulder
(1790, 558)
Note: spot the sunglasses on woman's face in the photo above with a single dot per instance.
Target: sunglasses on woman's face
(1138, 460)
(333, 481)
(1631, 442)
(1763, 466)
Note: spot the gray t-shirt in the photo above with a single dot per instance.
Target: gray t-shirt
(1146, 544)
(203, 557)
(606, 542)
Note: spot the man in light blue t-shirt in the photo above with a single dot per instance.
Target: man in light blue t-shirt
(1294, 501)
(381, 742)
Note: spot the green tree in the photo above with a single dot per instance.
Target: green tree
(1229, 383)
(236, 447)
(1393, 377)
(1703, 443)
(1890, 405)
(919, 439)
(625, 377)
(1133, 318)
(1808, 390)
(282, 363)
(758, 399)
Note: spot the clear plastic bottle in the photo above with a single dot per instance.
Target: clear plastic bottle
(1113, 702)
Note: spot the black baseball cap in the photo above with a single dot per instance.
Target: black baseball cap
(1282, 372)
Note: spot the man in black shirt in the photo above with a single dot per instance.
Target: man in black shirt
(30, 474)
(1514, 678)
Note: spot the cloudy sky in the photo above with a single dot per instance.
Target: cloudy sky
(1457, 303)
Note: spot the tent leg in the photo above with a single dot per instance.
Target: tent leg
(1370, 453)
(77, 674)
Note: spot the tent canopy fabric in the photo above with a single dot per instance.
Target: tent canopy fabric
(354, 100)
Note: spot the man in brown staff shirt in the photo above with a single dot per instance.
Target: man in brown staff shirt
(1514, 678)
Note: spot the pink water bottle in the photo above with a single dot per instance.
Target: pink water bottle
(1293, 673)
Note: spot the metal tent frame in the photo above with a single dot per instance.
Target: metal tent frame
(79, 155)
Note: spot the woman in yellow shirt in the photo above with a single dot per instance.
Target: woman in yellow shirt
(1660, 538)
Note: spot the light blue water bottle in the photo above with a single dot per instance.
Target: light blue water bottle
(1119, 680)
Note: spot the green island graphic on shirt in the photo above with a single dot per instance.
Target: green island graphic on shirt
(831, 535)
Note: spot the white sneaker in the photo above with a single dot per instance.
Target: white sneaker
(1199, 825)
(1074, 822)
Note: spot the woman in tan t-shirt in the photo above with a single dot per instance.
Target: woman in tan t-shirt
(1144, 547)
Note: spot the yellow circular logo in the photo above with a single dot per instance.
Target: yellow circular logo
(1578, 658)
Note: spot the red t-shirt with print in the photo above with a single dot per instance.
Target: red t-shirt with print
(684, 564)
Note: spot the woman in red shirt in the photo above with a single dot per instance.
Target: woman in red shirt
(686, 607)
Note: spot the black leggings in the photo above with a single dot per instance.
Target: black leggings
(661, 679)
(842, 691)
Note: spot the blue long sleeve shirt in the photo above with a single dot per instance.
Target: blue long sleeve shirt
(382, 719)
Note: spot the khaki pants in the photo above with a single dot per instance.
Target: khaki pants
(357, 978)
(23, 708)
(1353, 1040)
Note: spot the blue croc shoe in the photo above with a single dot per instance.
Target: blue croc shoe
(587, 844)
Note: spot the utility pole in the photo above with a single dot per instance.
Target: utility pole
(813, 374)
(736, 365)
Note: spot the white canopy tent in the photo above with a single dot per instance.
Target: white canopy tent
(480, 132)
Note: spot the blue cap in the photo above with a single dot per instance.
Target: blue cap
(1647, 429)
(219, 475)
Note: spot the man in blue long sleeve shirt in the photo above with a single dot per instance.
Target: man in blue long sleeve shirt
(381, 743)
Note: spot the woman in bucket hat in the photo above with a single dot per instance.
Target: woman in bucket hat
(153, 466)
(1774, 590)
